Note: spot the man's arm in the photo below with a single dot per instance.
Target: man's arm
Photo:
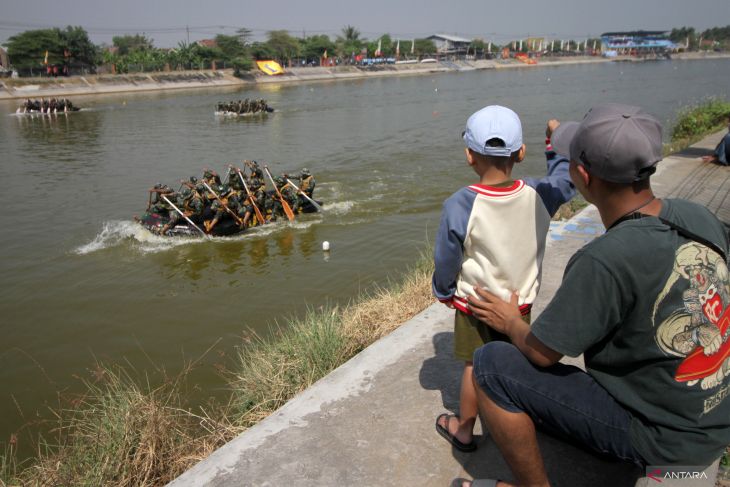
(505, 318)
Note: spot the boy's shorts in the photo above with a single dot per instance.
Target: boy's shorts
(470, 334)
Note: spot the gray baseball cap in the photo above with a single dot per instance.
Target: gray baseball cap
(617, 143)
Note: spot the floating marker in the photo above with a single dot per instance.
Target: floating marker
(326, 246)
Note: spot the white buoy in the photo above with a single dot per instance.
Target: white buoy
(326, 246)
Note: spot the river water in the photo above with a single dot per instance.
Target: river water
(82, 283)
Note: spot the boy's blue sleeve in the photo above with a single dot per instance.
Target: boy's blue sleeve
(556, 187)
(449, 247)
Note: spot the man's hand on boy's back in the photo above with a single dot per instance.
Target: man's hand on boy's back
(552, 124)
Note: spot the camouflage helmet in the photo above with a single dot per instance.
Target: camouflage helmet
(222, 190)
(209, 173)
(279, 180)
(193, 180)
(200, 188)
(166, 189)
(186, 193)
(305, 172)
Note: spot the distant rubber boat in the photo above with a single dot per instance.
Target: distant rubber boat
(226, 113)
(407, 61)
(21, 111)
(428, 60)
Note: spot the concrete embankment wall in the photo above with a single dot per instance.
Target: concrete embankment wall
(162, 81)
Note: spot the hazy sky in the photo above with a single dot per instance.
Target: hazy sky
(165, 21)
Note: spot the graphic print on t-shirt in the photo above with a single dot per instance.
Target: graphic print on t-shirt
(699, 329)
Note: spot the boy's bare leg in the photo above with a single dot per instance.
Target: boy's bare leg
(514, 434)
(463, 427)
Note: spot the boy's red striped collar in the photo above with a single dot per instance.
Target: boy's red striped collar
(498, 191)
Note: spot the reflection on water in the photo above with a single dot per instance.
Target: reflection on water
(285, 242)
(67, 133)
(258, 252)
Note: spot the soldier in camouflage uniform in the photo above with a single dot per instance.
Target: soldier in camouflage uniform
(218, 206)
(257, 175)
(157, 204)
(259, 197)
(189, 202)
(306, 184)
(211, 177)
(289, 195)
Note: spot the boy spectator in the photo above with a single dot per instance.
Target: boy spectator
(492, 235)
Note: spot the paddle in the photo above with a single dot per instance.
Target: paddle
(259, 216)
(233, 214)
(184, 216)
(314, 203)
(284, 204)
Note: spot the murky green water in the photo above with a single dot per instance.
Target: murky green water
(82, 283)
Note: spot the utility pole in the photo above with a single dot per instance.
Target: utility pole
(187, 29)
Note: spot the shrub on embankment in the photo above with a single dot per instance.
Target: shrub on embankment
(125, 432)
(695, 122)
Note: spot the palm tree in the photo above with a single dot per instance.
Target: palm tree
(350, 33)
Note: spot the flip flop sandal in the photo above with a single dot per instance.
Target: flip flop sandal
(464, 447)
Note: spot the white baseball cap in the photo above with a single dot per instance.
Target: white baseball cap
(494, 122)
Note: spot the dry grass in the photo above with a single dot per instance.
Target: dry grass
(570, 209)
(121, 433)
(270, 372)
(125, 432)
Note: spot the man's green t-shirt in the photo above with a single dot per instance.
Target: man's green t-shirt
(650, 311)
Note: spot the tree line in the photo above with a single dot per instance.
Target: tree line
(715, 37)
(33, 50)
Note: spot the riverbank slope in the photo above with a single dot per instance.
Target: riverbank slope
(99, 85)
(370, 422)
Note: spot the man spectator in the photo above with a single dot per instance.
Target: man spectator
(647, 304)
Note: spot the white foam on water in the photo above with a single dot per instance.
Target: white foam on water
(117, 232)
(339, 208)
(120, 232)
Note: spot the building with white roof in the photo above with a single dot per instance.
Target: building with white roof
(448, 44)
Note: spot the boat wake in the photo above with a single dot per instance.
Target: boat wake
(339, 208)
(119, 232)
(123, 232)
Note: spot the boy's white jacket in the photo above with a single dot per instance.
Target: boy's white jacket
(494, 237)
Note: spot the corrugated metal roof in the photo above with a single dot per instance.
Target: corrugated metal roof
(449, 38)
(636, 33)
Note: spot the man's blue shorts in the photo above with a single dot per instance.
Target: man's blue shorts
(561, 399)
